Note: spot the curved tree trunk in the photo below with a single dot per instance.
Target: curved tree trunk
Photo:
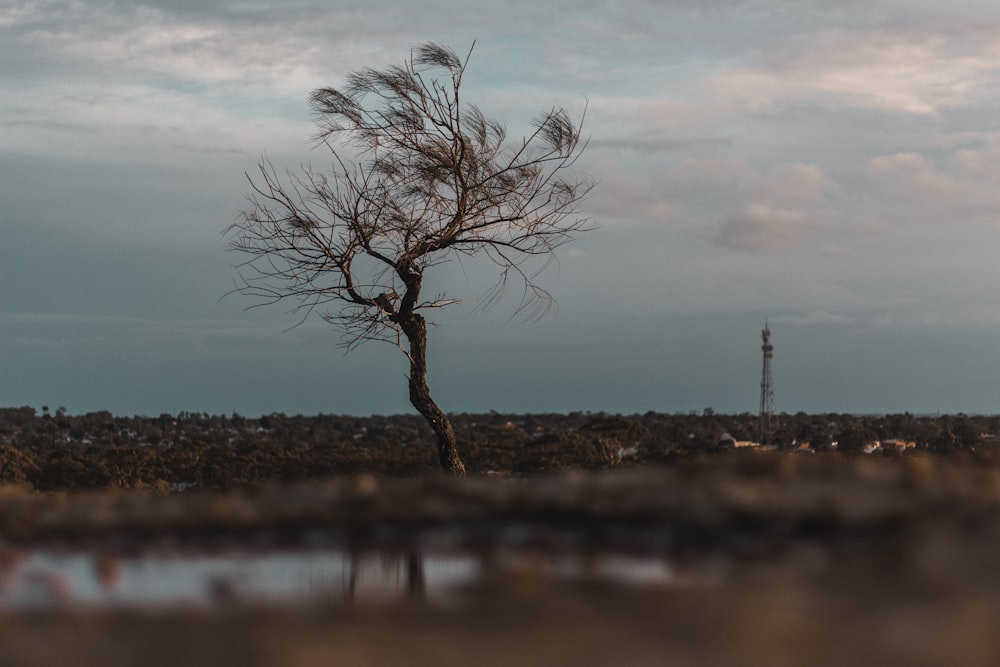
(415, 329)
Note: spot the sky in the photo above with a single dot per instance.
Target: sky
(830, 168)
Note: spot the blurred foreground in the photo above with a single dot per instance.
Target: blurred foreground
(774, 558)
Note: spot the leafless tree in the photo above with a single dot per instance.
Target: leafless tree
(419, 178)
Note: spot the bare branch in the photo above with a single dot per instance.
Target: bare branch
(435, 181)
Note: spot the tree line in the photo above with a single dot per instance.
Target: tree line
(170, 453)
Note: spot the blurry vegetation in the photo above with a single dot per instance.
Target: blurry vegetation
(199, 451)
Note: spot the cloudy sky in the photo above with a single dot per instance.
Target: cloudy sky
(832, 167)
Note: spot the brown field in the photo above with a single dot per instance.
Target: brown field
(781, 559)
(777, 558)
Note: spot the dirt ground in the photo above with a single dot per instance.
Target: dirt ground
(780, 559)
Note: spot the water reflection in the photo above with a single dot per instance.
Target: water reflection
(403, 575)
(42, 579)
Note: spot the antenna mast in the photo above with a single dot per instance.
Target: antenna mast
(766, 424)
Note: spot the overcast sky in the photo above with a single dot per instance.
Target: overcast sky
(832, 167)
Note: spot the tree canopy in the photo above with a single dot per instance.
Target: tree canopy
(419, 177)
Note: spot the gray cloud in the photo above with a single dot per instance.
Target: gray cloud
(760, 228)
(959, 190)
(831, 164)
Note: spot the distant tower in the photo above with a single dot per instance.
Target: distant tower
(766, 425)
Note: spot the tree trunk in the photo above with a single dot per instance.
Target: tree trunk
(415, 329)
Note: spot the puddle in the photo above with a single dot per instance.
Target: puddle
(45, 579)
(41, 579)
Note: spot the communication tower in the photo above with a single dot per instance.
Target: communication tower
(766, 424)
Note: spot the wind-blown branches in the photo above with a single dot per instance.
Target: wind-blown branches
(434, 180)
